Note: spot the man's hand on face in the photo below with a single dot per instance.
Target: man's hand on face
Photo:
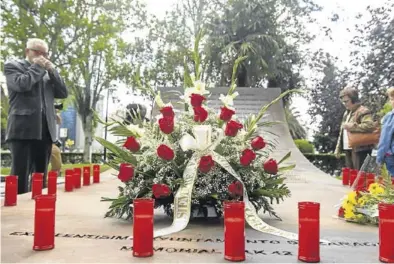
(40, 61)
(48, 65)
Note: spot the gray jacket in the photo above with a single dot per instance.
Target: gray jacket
(25, 82)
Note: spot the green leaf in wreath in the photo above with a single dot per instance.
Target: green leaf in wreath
(285, 157)
(119, 152)
(287, 168)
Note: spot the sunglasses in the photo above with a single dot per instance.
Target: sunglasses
(45, 54)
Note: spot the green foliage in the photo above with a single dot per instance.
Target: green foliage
(373, 54)
(386, 108)
(304, 146)
(325, 104)
(327, 163)
(297, 131)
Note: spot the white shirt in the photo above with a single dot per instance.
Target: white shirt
(345, 136)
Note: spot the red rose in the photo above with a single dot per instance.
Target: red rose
(258, 143)
(166, 125)
(206, 164)
(167, 111)
(235, 189)
(165, 152)
(126, 172)
(200, 114)
(247, 157)
(226, 113)
(132, 144)
(232, 128)
(160, 190)
(196, 100)
(270, 166)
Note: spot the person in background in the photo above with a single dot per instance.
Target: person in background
(385, 151)
(135, 112)
(33, 84)
(56, 157)
(356, 119)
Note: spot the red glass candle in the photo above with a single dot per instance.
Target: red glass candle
(86, 175)
(234, 230)
(341, 212)
(52, 182)
(345, 176)
(370, 179)
(143, 227)
(386, 232)
(11, 190)
(353, 176)
(69, 180)
(37, 182)
(360, 186)
(44, 222)
(96, 173)
(309, 231)
(77, 177)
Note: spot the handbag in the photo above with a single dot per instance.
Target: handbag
(363, 139)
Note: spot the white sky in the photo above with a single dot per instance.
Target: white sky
(339, 47)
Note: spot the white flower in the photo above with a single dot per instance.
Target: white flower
(228, 100)
(199, 87)
(139, 132)
(159, 101)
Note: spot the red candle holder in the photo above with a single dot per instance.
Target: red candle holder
(234, 230)
(386, 232)
(309, 231)
(37, 183)
(361, 183)
(86, 175)
(341, 212)
(353, 176)
(96, 173)
(52, 182)
(69, 180)
(11, 190)
(370, 179)
(77, 177)
(44, 222)
(143, 227)
(345, 176)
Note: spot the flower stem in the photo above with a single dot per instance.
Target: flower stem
(176, 169)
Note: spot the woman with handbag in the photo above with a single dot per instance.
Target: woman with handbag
(385, 152)
(358, 134)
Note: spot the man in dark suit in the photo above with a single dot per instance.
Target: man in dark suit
(33, 84)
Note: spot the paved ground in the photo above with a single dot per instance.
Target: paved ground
(83, 235)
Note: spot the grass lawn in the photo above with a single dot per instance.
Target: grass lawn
(6, 171)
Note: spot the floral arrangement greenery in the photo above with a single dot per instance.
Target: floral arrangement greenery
(362, 206)
(153, 157)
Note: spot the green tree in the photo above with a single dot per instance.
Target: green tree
(297, 131)
(269, 33)
(325, 104)
(373, 54)
(84, 42)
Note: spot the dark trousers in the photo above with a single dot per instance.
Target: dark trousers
(30, 156)
(355, 160)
